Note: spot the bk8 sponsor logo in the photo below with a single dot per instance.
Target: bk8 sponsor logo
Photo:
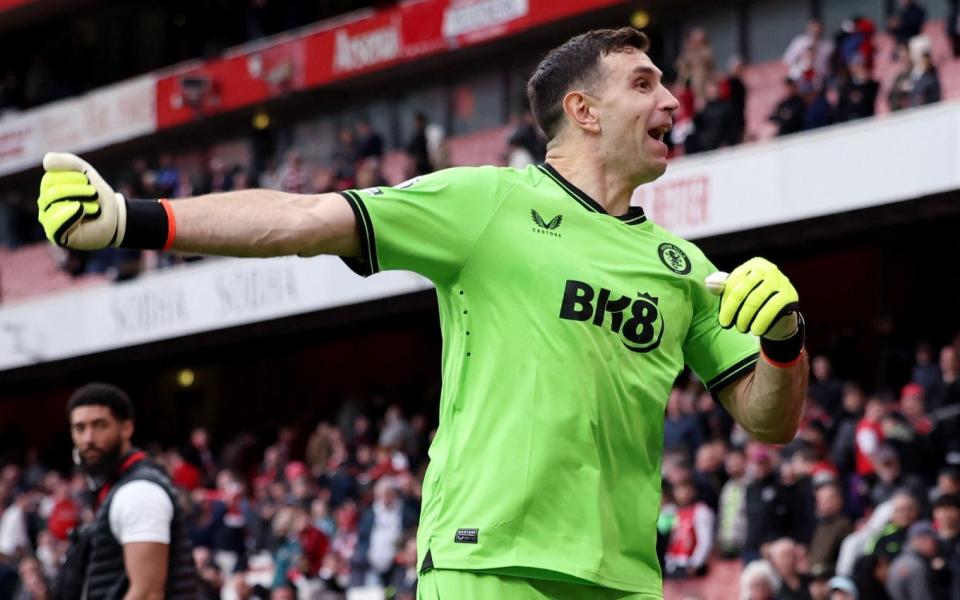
(637, 321)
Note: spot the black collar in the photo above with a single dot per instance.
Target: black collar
(634, 215)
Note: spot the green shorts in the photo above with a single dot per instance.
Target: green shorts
(444, 584)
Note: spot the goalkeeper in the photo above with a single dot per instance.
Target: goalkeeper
(566, 316)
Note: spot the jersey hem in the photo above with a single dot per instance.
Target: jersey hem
(569, 573)
(367, 263)
(732, 373)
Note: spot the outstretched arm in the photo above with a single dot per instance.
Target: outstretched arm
(262, 223)
(79, 210)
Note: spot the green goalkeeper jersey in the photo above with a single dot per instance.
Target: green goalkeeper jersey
(564, 328)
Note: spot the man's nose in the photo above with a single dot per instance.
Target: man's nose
(669, 102)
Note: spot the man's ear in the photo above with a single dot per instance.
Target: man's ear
(582, 111)
(126, 429)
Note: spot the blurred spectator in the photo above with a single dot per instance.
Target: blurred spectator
(946, 520)
(184, 475)
(826, 389)
(892, 538)
(795, 500)
(437, 150)
(759, 581)
(946, 391)
(735, 89)
(843, 588)
(403, 578)
(184, 187)
(691, 536)
(218, 178)
(320, 448)
(211, 579)
(715, 124)
(808, 55)
(761, 503)
(910, 572)
(322, 181)
(681, 429)
(345, 159)
(842, 451)
(708, 471)
(858, 94)
(869, 436)
(952, 25)
(925, 371)
(167, 175)
(855, 546)
(395, 430)
(948, 482)
(783, 557)
(381, 529)
(292, 175)
(908, 22)
(368, 174)
(417, 146)
(821, 102)
(817, 588)
(891, 478)
(832, 527)
(925, 84)
(789, 113)
(526, 136)
(228, 516)
(241, 178)
(695, 67)
(33, 585)
(913, 408)
(14, 537)
(369, 141)
(898, 98)
(870, 574)
(855, 44)
(518, 156)
(201, 456)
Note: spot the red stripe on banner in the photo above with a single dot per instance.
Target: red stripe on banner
(373, 42)
(6, 5)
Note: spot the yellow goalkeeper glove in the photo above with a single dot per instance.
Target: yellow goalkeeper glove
(757, 298)
(77, 208)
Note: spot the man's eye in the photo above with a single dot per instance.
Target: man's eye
(643, 84)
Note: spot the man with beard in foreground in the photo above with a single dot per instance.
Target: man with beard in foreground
(137, 545)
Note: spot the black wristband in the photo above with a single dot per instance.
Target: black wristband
(147, 225)
(788, 350)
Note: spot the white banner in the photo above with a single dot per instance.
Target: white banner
(183, 301)
(107, 116)
(838, 169)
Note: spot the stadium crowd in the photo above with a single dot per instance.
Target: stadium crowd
(829, 79)
(308, 516)
(864, 503)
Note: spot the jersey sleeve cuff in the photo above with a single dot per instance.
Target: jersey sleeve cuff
(732, 373)
(366, 264)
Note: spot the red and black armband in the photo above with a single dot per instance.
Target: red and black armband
(785, 353)
(150, 225)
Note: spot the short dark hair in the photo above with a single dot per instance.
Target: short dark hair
(102, 394)
(576, 61)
